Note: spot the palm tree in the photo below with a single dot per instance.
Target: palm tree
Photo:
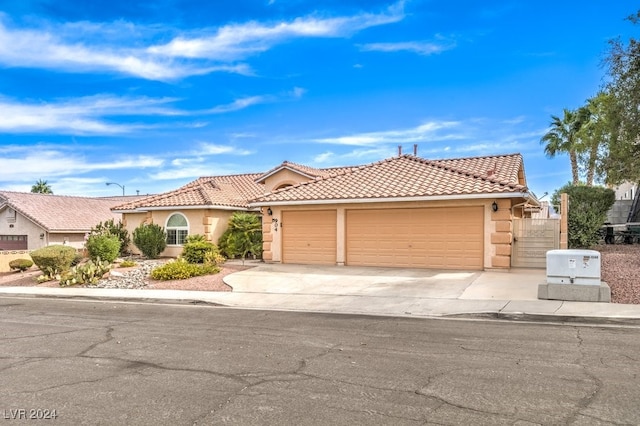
(594, 134)
(563, 139)
(41, 187)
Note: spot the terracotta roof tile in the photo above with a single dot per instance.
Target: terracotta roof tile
(408, 176)
(224, 191)
(301, 168)
(60, 212)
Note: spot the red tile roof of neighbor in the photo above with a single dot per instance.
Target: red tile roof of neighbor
(409, 176)
(397, 177)
(58, 213)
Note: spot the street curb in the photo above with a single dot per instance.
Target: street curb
(564, 319)
(495, 316)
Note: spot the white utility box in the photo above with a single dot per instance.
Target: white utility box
(573, 267)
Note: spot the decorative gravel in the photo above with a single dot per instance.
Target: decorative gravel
(134, 277)
(621, 271)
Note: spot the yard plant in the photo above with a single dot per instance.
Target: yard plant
(54, 259)
(150, 239)
(243, 236)
(20, 264)
(180, 269)
(103, 246)
(198, 250)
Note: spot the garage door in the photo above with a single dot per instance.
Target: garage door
(446, 238)
(309, 237)
(13, 242)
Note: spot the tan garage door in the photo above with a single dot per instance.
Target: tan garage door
(309, 237)
(447, 238)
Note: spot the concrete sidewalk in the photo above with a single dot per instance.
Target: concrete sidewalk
(372, 291)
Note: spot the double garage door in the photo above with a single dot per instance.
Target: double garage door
(447, 238)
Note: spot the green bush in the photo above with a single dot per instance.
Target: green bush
(20, 264)
(150, 239)
(243, 236)
(54, 259)
(197, 250)
(88, 273)
(111, 228)
(127, 264)
(105, 247)
(588, 207)
(180, 269)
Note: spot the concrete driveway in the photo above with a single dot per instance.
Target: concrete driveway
(517, 284)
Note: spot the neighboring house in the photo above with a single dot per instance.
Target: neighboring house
(626, 200)
(401, 212)
(29, 221)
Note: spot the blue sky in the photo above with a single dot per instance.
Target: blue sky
(152, 95)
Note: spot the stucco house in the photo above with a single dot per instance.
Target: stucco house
(404, 211)
(30, 221)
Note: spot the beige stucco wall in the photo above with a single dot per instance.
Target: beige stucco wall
(208, 222)
(497, 227)
(75, 240)
(283, 177)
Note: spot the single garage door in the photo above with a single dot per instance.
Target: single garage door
(439, 238)
(13, 242)
(309, 237)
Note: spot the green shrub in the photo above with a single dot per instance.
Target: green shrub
(243, 236)
(88, 273)
(127, 264)
(180, 269)
(111, 228)
(588, 207)
(197, 250)
(150, 239)
(105, 247)
(20, 264)
(54, 259)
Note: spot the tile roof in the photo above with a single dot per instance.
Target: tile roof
(302, 169)
(502, 167)
(404, 176)
(58, 213)
(223, 191)
(409, 176)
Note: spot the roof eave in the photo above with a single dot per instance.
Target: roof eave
(524, 195)
(200, 207)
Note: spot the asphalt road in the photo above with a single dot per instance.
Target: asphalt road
(117, 363)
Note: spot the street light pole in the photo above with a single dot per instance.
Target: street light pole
(121, 186)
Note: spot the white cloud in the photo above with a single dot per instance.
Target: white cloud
(237, 41)
(80, 115)
(22, 164)
(207, 148)
(239, 104)
(427, 132)
(125, 48)
(420, 47)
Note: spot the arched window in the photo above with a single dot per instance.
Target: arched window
(177, 229)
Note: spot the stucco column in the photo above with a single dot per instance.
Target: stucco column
(502, 236)
(267, 238)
